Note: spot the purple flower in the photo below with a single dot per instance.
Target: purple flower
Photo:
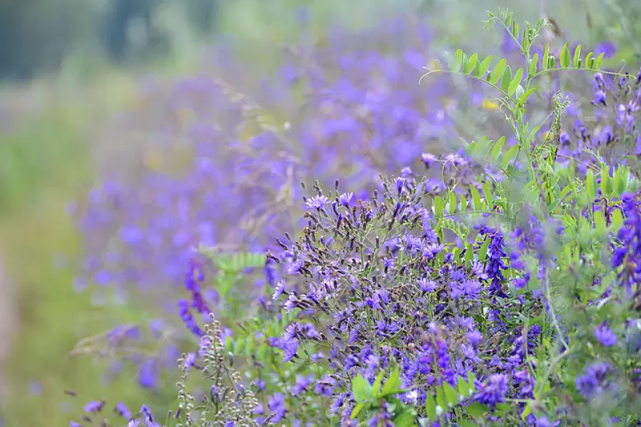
(148, 374)
(337, 403)
(474, 337)
(149, 419)
(279, 289)
(618, 256)
(301, 385)
(345, 199)
(495, 265)
(123, 411)
(290, 350)
(35, 387)
(428, 159)
(608, 48)
(470, 289)
(325, 386)
(188, 318)
(190, 360)
(493, 391)
(543, 421)
(260, 384)
(591, 382)
(400, 184)
(94, 407)
(276, 405)
(599, 98)
(317, 202)
(426, 285)
(605, 335)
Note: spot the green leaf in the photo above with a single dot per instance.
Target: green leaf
(466, 423)
(240, 344)
(496, 151)
(546, 56)
(450, 394)
(617, 219)
(468, 68)
(597, 63)
(605, 181)
(438, 206)
(393, 383)
(475, 409)
(588, 58)
(405, 419)
(463, 204)
(456, 61)
(357, 410)
(250, 344)
(430, 407)
(476, 199)
(534, 62)
(590, 184)
(516, 81)
(519, 92)
(507, 157)
(441, 400)
(564, 59)
(376, 388)
(577, 57)
(361, 389)
(452, 209)
(565, 191)
(599, 221)
(525, 96)
(618, 183)
(229, 343)
(502, 408)
(463, 387)
(470, 382)
(488, 197)
(483, 250)
(469, 254)
(506, 79)
(484, 66)
(497, 72)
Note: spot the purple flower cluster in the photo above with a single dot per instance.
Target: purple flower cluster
(627, 255)
(404, 299)
(386, 278)
(608, 127)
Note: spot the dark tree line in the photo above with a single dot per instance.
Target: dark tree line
(36, 35)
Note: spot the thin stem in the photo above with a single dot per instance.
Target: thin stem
(431, 71)
(611, 73)
(552, 313)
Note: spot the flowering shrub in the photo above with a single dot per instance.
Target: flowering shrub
(499, 288)
(324, 114)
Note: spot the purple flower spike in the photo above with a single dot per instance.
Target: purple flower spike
(605, 335)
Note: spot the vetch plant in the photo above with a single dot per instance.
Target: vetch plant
(509, 294)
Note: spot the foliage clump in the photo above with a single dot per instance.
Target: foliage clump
(508, 296)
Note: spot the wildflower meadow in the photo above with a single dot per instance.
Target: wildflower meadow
(374, 232)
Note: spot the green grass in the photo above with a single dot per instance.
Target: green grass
(44, 164)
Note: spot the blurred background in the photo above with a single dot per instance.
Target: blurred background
(70, 70)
